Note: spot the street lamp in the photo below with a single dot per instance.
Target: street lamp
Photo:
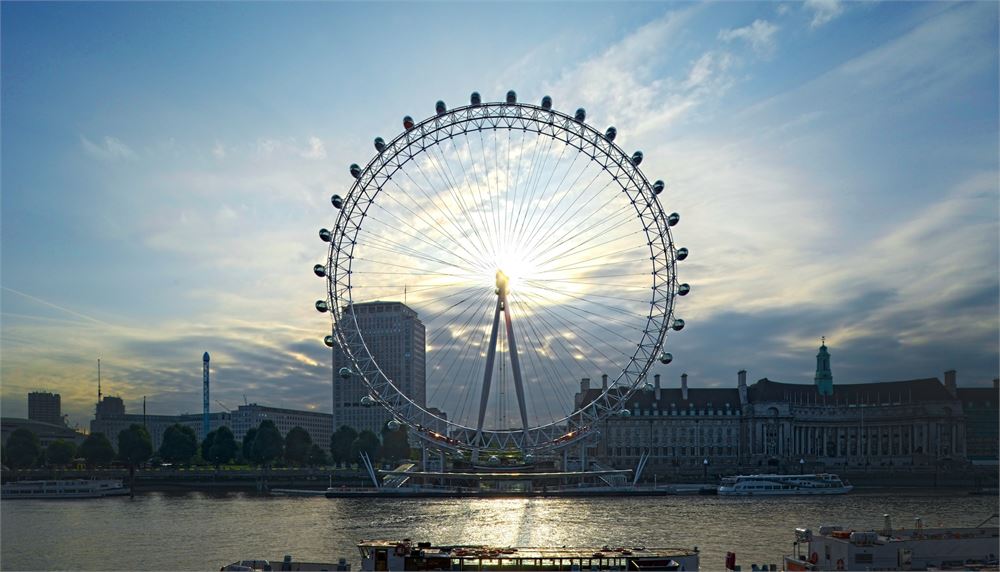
(705, 467)
(802, 466)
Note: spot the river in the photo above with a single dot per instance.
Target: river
(203, 531)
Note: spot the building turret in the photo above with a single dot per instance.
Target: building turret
(951, 382)
(742, 386)
(684, 386)
(824, 376)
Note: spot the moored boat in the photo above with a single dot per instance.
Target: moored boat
(763, 485)
(406, 555)
(919, 548)
(65, 489)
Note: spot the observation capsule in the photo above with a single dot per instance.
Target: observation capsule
(611, 133)
(325, 235)
(683, 289)
(408, 123)
(345, 373)
(475, 99)
(511, 96)
(379, 144)
(637, 158)
(329, 341)
(337, 201)
(682, 253)
(319, 270)
(678, 324)
(392, 425)
(494, 460)
(648, 387)
(673, 219)
(625, 413)
(529, 458)
(666, 358)
(580, 115)
(457, 455)
(546, 102)
(440, 107)
(355, 170)
(322, 306)
(658, 187)
(367, 401)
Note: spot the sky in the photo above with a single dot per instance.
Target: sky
(166, 167)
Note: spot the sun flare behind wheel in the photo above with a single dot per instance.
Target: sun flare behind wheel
(535, 252)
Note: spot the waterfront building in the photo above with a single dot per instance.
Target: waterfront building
(45, 407)
(318, 425)
(46, 432)
(396, 338)
(919, 422)
(110, 418)
(982, 419)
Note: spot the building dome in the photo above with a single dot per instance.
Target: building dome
(204, 357)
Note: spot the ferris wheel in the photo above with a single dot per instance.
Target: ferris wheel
(536, 254)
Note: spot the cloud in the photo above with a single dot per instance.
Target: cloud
(109, 149)
(760, 35)
(823, 11)
(315, 149)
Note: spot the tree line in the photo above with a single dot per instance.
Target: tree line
(263, 446)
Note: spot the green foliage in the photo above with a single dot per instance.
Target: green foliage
(134, 445)
(22, 449)
(367, 442)
(297, 445)
(317, 456)
(60, 453)
(206, 446)
(180, 443)
(395, 445)
(267, 444)
(223, 446)
(97, 450)
(247, 446)
(340, 444)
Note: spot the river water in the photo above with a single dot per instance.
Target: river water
(202, 531)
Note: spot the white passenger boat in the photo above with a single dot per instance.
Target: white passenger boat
(918, 548)
(69, 489)
(761, 485)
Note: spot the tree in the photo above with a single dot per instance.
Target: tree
(60, 453)
(134, 448)
(317, 456)
(247, 445)
(22, 449)
(366, 442)
(97, 450)
(267, 444)
(297, 445)
(340, 444)
(206, 446)
(223, 447)
(395, 444)
(180, 443)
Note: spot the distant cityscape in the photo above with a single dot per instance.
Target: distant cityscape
(907, 423)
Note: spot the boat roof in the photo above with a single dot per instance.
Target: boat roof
(499, 552)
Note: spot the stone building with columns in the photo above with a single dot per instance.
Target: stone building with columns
(912, 423)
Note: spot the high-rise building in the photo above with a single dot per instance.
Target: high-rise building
(318, 425)
(45, 407)
(396, 338)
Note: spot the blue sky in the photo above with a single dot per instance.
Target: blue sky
(166, 166)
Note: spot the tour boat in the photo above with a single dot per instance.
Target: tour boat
(918, 548)
(760, 485)
(70, 489)
(406, 555)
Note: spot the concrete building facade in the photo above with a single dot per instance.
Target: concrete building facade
(396, 338)
(318, 425)
(45, 407)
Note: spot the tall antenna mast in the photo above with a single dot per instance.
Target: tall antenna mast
(98, 380)
(204, 413)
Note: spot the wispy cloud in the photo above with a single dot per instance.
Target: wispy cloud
(823, 11)
(108, 149)
(760, 35)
